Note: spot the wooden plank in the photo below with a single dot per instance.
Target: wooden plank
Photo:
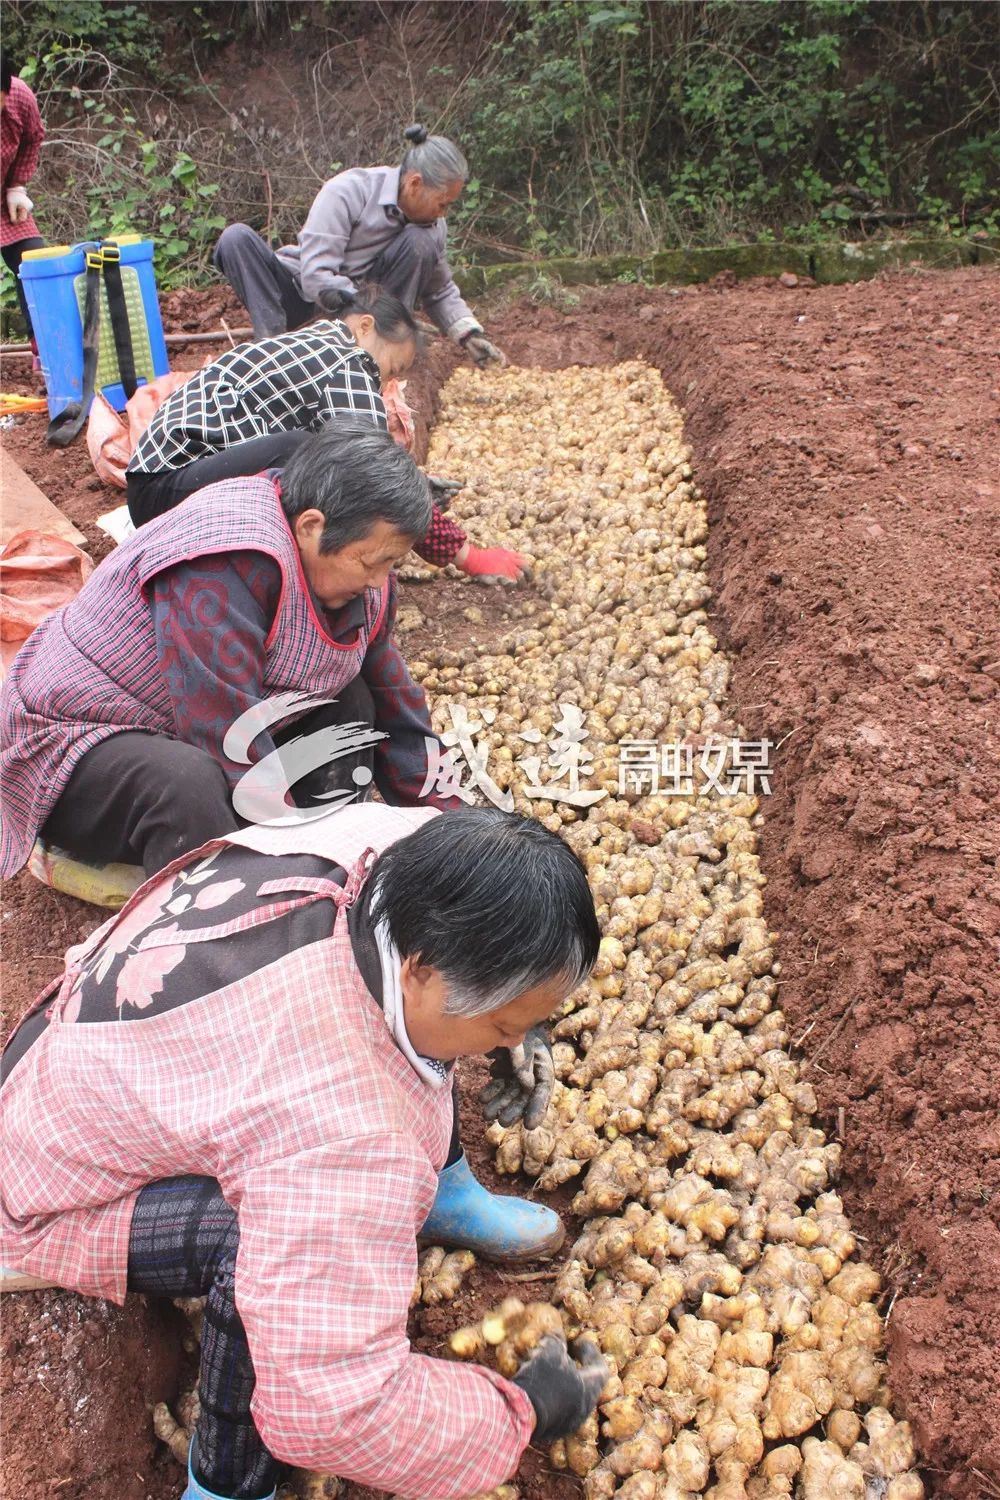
(19, 1281)
(23, 505)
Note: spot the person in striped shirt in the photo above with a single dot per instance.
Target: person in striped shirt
(251, 408)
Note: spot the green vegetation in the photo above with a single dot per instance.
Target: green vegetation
(595, 127)
(630, 125)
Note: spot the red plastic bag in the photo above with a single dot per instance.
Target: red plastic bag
(401, 424)
(112, 436)
(38, 573)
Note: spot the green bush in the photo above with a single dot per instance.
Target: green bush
(594, 126)
(631, 125)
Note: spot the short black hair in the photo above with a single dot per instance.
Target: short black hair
(357, 475)
(493, 901)
(7, 72)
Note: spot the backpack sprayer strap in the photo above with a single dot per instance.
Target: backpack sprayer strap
(102, 260)
(118, 310)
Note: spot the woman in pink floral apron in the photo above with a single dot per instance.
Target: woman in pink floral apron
(242, 1089)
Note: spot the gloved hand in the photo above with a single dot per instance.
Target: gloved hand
(335, 302)
(479, 349)
(523, 1079)
(490, 562)
(562, 1393)
(19, 205)
(444, 490)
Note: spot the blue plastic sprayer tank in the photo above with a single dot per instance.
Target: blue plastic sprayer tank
(54, 281)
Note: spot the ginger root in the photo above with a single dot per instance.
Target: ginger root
(716, 1267)
(440, 1275)
(170, 1431)
(505, 1337)
(827, 1474)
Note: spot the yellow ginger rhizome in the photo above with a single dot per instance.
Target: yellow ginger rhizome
(717, 1270)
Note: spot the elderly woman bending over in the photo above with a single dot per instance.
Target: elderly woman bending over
(384, 224)
(243, 1089)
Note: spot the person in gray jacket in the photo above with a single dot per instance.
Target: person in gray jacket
(370, 223)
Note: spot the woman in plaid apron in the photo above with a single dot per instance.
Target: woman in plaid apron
(242, 1089)
(130, 718)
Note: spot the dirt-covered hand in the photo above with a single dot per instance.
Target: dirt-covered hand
(563, 1392)
(443, 491)
(335, 302)
(523, 1079)
(481, 351)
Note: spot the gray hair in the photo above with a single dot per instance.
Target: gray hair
(493, 901)
(437, 159)
(357, 475)
(461, 1001)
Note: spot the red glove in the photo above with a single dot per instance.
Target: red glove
(492, 562)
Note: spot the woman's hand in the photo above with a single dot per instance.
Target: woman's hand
(562, 1392)
(479, 349)
(443, 491)
(19, 205)
(490, 562)
(523, 1080)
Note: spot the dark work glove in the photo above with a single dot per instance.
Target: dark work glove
(562, 1393)
(481, 351)
(335, 302)
(523, 1079)
(443, 491)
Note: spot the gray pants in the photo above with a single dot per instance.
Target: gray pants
(271, 295)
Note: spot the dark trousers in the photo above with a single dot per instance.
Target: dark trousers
(263, 284)
(12, 260)
(151, 495)
(270, 293)
(147, 799)
(183, 1243)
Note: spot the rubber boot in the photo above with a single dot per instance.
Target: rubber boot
(197, 1491)
(469, 1217)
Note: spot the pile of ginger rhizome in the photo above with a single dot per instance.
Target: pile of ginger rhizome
(716, 1269)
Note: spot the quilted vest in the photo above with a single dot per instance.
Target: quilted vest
(90, 670)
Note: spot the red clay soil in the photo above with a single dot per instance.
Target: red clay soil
(67, 1362)
(846, 440)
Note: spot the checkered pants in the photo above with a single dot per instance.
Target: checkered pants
(183, 1243)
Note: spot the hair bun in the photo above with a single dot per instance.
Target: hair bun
(416, 133)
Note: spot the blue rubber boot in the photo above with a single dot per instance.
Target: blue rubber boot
(469, 1217)
(197, 1491)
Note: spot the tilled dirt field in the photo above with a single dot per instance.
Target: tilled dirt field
(845, 439)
